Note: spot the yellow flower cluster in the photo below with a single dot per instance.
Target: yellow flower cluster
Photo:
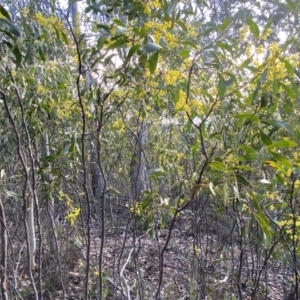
(244, 33)
(40, 90)
(196, 106)
(69, 108)
(172, 77)
(118, 125)
(248, 51)
(158, 30)
(260, 49)
(149, 5)
(278, 70)
(181, 103)
(49, 22)
(192, 30)
(288, 227)
(275, 51)
(266, 34)
(73, 212)
(297, 184)
(171, 39)
(271, 195)
(230, 159)
(73, 215)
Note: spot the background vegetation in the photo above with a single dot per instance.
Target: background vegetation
(149, 149)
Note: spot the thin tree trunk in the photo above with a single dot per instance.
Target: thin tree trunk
(3, 252)
(140, 175)
(50, 200)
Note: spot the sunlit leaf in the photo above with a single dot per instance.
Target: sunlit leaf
(253, 27)
(153, 62)
(4, 12)
(151, 47)
(13, 29)
(283, 143)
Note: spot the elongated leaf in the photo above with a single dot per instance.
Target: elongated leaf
(247, 149)
(248, 157)
(274, 165)
(151, 47)
(288, 90)
(13, 29)
(225, 24)
(153, 62)
(281, 159)
(288, 66)
(291, 5)
(4, 13)
(279, 124)
(240, 14)
(283, 143)
(246, 62)
(264, 225)
(118, 43)
(132, 51)
(119, 23)
(275, 86)
(218, 165)
(265, 138)
(263, 76)
(18, 56)
(253, 27)
(242, 180)
(182, 25)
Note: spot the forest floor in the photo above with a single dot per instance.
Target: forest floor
(194, 267)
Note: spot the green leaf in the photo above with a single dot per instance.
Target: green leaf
(224, 46)
(265, 138)
(4, 13)
(18, 56)
(263, 76)
(153, 62)
(132, 51)
(184, 53)
(42, 53)
(187, 43)
(225, 24)
(291, 5)
(151, 47)
(264, 225)
(275, 165)
(253, 27)
(182, 25)
(288, 66)
(218, 165)
(13, 29)
(283, 143)
(249, 117)
(275, 86)
(246, 62)
(248, 157)
(239, 15)
(247, 149)
(279, 124)
(261, 155)
(118, 43)
(227, 83)
(242, 180)
(119, 23)
(288, 90)
(281, 159)
(7, 33)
